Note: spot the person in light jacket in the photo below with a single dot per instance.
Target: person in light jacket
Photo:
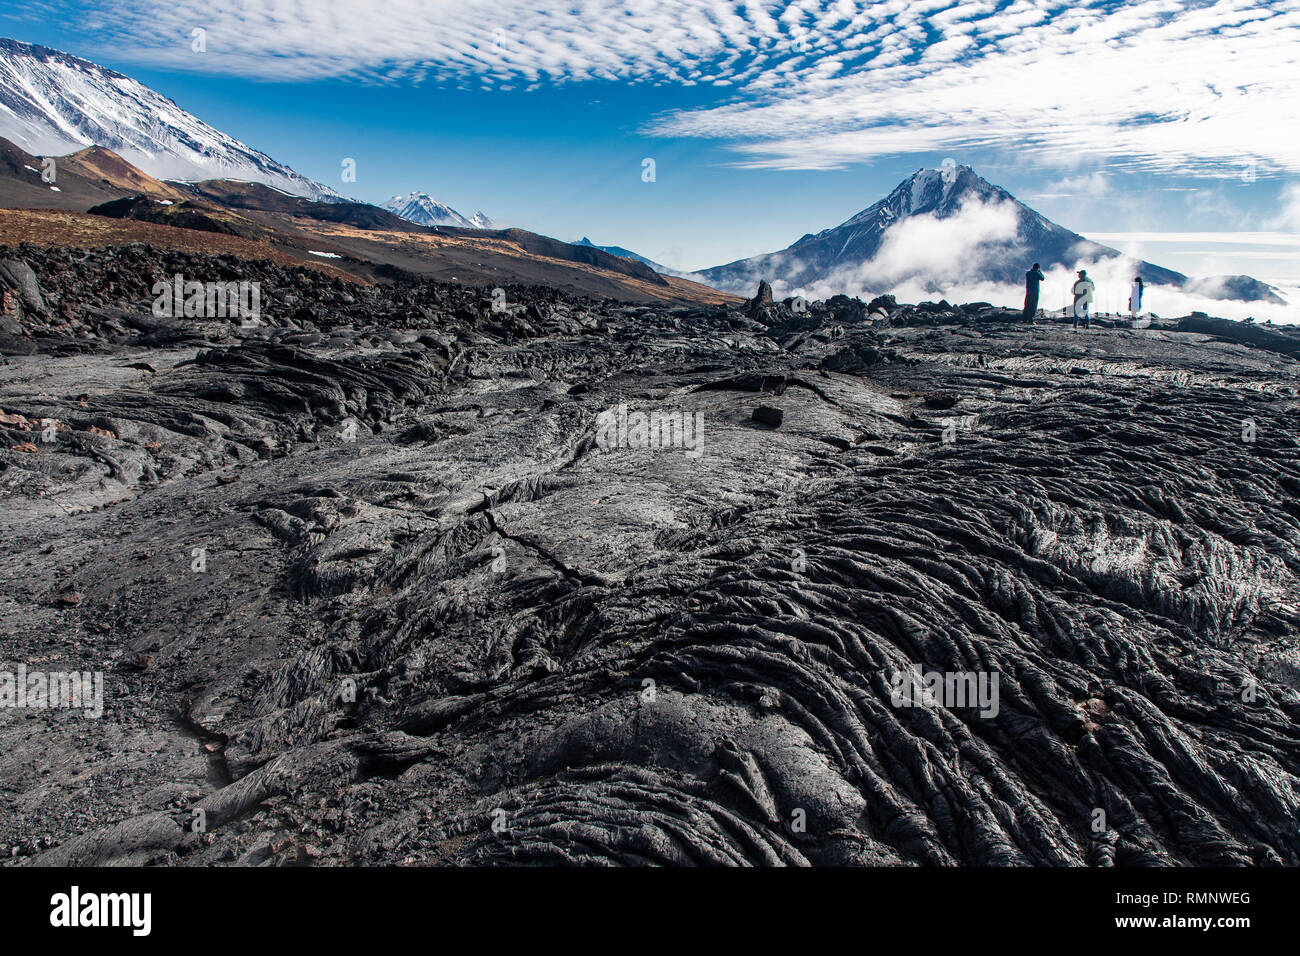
(1135, 298)
(1083, 293)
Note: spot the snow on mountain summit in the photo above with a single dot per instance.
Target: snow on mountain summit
(423, 210)
(52, 103)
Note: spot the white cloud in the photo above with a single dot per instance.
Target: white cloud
(1288, 216)
(1182, 238)
(1084, 84)
(1259, 254)
(946, 251)
(1200, 87)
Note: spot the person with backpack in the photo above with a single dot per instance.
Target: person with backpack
(1032, 279)
(1083, 292)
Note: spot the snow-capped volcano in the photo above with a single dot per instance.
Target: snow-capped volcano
(423, 210)
(941, 225)
(53, 103)
(853, 247)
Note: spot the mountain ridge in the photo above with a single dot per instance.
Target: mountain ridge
(102, 199)
(53, 102)
(626, 254)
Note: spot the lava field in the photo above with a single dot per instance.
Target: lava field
(401, 574)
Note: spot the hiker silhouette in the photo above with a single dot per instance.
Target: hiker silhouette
(1032, 279)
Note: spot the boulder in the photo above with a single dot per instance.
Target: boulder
(19, 277)
(882, 303)
(759, 305)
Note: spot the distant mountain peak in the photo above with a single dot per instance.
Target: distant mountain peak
(936, 192)
(53, 103)
(423, 210)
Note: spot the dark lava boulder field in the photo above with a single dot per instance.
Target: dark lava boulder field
(419, 574)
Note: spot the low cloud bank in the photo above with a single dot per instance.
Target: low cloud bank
(925, 258)
(1113, 280)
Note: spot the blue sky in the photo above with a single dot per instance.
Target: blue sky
(1147, 123)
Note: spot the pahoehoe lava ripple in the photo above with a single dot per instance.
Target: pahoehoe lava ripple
(440, 623)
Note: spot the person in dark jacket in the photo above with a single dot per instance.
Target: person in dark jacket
(1032, 278)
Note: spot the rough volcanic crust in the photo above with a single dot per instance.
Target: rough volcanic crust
(439, 620)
